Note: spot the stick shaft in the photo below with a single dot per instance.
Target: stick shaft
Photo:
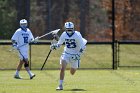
(52, 32)
(41, 37)
(46, 59)
(44, 35)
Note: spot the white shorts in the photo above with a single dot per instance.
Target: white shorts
(68, 58)
(23, 54)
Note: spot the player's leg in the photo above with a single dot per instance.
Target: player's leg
(62, 70)
(20, 65)
(72, 70)
(74, 66)
(17, 76)
(18, 69)
(63, 62)
(26, 65)
(24, 55)
(62, 74)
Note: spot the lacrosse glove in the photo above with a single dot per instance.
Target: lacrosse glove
(35, 40)
(76, 57)
(54, 46)
(15, 46)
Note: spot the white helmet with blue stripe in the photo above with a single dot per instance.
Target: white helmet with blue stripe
(69, 26)
(23, 24)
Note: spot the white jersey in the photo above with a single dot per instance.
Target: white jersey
(73, 43)
(22, 37)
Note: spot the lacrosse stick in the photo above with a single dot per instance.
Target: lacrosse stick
(38, 37)
(46, 59)
(54, 41)
(52, 32)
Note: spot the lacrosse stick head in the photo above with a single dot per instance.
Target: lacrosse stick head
(55, 37)
(55, 31)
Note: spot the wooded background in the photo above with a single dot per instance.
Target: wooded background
(93, 18)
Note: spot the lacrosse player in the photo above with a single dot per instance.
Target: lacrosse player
(22, 36)
(75, 44)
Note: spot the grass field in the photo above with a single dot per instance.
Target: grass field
(84, 81)
(95, 56)
(99, 56)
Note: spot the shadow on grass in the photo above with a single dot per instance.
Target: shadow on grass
(22, 79)
(25, 79)
(75, 90)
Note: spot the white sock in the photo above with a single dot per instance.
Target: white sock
(17, 72)
(30, 73)
(61, 82)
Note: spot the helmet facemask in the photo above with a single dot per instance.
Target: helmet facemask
(70, 31)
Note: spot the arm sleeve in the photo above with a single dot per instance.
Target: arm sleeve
(61, 39)
(31, 37)
(15, 37)
(82, 43)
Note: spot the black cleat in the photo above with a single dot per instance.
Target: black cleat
(32, 76)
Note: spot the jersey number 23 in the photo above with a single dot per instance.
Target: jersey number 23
(70, 43)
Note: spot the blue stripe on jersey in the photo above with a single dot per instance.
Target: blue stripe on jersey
(71, 34)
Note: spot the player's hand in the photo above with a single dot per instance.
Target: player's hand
(36, 39)
(53, 46)
(76, 57)
(15, 46)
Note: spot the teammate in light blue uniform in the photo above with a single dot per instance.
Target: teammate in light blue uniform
(22, 36)
(75, 44)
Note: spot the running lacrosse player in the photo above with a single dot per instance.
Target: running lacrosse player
(22, 36)
(75, 44)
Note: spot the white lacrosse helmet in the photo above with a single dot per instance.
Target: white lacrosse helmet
(69, 26)
(23, 23)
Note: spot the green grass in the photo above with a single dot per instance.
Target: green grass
(129, 55)
(84, 81)
(95, 56)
